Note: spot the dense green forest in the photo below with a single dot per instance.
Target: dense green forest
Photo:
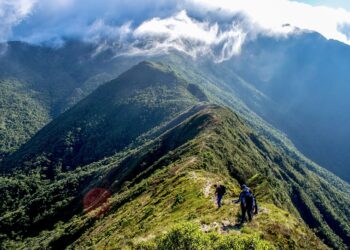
(148, 146)
(22, 112)
(50, 80)
(166, 182)
(288, 95)
(110, 119)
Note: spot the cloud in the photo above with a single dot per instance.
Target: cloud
(12, 12)
(54, 20)
(196, 27)
(188, 35)
(270, 15)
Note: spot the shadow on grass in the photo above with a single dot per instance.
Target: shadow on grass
(236, 227)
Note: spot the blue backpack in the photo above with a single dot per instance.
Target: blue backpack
(248, 198)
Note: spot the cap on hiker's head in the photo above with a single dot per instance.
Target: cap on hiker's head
(244, 186)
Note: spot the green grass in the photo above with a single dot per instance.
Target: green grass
(159, 209)
(190, 236)
(176, 186)
(157, 182)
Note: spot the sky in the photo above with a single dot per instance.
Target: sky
(195, 27)
(330, 3)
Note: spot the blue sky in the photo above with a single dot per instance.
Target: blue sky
(331, 3)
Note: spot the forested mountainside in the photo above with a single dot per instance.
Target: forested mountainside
(110, 119)
(97, 177)
(306, 78)
(22, 114)
(53, 78)
(292, 83)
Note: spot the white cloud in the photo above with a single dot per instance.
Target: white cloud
(271, 15)
(179, 26)
(221, 26)
(12, 12)
(185, 34)
(100, 31)
(196, 27)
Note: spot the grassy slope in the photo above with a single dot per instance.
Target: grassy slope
(187, 196)
(173, 181)
(243, 154)
(67, 74)
(229, 148)
(227, 88)
(56, 74)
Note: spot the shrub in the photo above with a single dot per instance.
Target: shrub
(189, 236)
(147, 245)
(185, 236)
(234, 242)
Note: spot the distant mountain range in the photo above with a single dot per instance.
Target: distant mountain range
(306, 78)
(298, 84)
(134, 137)
(102, 152)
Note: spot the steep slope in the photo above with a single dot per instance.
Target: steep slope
(224, 146)
(167, 181)
(60, 77)
(298, 84)
(22, 114)
(109, 120)
(306, 80)
(295, 84)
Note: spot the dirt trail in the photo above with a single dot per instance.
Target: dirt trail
(207, 189)
(222, 227)
(208, 192)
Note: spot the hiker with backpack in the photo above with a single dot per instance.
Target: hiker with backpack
(220, 190)
(248, 203)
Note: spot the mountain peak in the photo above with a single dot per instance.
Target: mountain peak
(112, 117)
(152, 66)
(148, 72)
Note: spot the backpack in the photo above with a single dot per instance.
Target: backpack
(222, 189)
(249, 199)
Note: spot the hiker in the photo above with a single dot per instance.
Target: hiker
(220, 190)
(248, 203)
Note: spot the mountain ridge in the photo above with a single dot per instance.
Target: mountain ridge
(168, 134)
(210, 140)
(117, 107)
(64, 75)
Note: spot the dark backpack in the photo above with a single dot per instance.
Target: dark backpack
(222, 189)
(249, 199)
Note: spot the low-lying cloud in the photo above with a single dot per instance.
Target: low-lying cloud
(189, 36)
(196, 27)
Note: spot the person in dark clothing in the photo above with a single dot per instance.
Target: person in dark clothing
(220, 190)
(248, 203)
